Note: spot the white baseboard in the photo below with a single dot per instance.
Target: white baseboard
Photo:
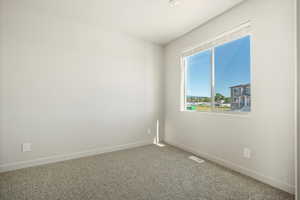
(251, 173)
(58, 158)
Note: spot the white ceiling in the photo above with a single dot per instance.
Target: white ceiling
(152, 20)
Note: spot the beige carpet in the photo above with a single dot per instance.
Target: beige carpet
(149, 172)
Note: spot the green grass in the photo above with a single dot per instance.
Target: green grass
(205, 108)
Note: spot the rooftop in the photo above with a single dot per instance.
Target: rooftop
(242, 85)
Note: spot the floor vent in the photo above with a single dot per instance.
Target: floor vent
(196, 159)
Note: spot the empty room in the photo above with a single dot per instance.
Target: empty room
(149, 99)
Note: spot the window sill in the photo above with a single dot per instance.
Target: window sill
(235, 114)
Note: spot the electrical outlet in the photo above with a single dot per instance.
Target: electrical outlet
(149, 131)
(247, 153)
(26, 147)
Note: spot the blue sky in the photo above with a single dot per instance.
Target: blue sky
(232, 67)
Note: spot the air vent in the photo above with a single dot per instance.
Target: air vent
(196, 159)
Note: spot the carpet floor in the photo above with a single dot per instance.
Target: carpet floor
(149, 172)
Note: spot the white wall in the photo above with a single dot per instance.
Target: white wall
(68, 87)
(269, 129)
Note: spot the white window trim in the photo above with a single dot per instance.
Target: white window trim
(243, 30)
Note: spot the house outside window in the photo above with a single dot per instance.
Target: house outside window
(242, 99)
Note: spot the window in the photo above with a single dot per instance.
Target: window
(217, 75)
(198, 90)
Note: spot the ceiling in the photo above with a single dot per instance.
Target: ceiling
(152, 20)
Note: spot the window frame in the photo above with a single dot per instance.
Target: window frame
(184, 67)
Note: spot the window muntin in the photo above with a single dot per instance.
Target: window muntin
(229, 77)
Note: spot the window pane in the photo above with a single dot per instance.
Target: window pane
(198, 81)
(232, 76)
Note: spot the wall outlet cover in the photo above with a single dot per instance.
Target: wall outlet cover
(26, 147)
(247, 153)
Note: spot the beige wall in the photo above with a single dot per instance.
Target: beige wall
(72, 89)
(269, 129)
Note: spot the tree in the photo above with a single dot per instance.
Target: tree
(219, 97)
(206, 99)
(227, 100)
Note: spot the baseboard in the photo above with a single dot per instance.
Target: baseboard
(251, 173)
(58, 158)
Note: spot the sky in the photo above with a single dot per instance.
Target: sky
(232, 67)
